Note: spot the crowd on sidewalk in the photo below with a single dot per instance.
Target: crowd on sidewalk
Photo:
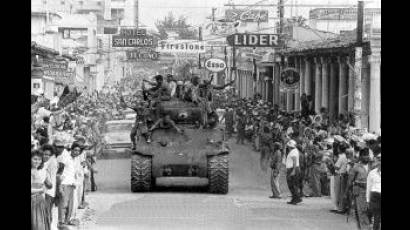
(323, 156)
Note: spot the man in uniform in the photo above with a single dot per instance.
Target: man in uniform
(357, 181)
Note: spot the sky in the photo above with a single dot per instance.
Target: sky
(196, 11)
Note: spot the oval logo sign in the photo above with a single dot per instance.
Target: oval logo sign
(289, 78)
(215, 65)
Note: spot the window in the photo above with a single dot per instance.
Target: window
(62, 2)
(36, 85)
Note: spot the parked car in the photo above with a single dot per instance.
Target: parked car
(117, 142)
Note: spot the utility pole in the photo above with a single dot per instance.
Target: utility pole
(357, 101)
(200, 39)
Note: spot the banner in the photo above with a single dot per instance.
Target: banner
(181, 46)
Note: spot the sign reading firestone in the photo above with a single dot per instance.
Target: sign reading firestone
(215, 65)
(253, 40)
(181, 46)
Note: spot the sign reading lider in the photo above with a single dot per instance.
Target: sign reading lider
(253, 40)
(133, 41)
(215, 65)
(181, 46)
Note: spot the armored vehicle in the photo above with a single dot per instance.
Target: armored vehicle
(195, 156)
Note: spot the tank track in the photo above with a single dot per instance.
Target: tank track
(218, 174)
(141, 169)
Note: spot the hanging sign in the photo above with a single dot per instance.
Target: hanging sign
(253, 40)
(289, 78)
(215, 65)
(133, 41)
(147, 54)
(181, 46)
(246, 15)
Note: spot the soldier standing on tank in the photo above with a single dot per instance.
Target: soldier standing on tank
(358, 181)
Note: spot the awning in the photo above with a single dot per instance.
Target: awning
(41, 50)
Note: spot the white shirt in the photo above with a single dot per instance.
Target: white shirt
(341, 163)
(80, 168)
(173, 87)
(374, 183)
(69, 174)
(289, 161)
(51, 167)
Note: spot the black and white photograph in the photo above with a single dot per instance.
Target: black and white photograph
(205, 115)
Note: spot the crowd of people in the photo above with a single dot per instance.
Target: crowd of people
(65, 141)
(322, 156)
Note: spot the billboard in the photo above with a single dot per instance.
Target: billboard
(254, 40)
(181, 46)
(340, 13)
(246, 15)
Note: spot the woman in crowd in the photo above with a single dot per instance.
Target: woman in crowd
(39, 183)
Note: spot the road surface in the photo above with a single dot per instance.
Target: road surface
(246, 206)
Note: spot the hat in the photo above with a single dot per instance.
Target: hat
(57, 142)
(291, 144)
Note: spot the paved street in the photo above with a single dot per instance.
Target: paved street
(246, 206)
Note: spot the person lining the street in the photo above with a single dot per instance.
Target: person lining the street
(40, 216)
(374, 193)
(68, 172)
(358, 181)
(292, 172)
(275, 164)
(51, 167)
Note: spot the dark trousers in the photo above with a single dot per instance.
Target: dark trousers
(92, 180)
(66, 204)
(315, 184)
(375, 209)
(293, 184)
(49, 207)
(241, 137)
(133, 134)
(361, 210)
(301, 181)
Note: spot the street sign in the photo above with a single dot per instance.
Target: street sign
(215, 65)
(253, 40)
(133, 41)
(289, 78)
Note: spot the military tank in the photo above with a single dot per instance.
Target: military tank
(195, 156)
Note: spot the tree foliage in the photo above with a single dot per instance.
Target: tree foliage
(179, 25)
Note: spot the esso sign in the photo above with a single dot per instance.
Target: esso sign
(215, 65)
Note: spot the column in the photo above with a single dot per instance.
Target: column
(375, 96)
(325, 83)
(302, 76)
(276, 82)
(318, 84)
(307, 77)
(342, 92)
(350, 88)
(297, 90)
(333, 92)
